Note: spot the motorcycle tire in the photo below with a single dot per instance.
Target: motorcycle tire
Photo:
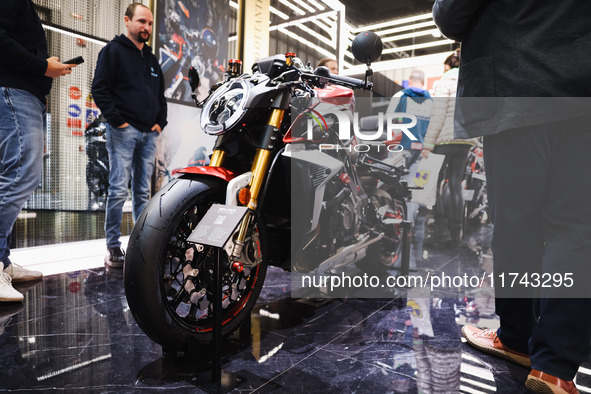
(169, 299)
(456, 229)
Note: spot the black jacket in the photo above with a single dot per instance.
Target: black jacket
(526, 54)
(23, 48)
(128, 85)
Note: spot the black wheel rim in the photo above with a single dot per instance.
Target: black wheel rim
(188, 293)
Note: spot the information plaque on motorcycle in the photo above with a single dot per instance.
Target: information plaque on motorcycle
(218, 225)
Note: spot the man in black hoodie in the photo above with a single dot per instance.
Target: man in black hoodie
(26, 73)
(128, 87)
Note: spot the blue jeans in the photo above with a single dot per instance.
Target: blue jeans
(21, 157)
(131, 155)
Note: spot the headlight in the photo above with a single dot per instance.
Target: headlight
(225, 108)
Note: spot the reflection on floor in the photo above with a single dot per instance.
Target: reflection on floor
(75, 332)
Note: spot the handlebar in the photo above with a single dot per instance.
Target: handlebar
(322, 76)
(351, 82)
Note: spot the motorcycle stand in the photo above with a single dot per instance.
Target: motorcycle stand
(219, 381)
(405, 258)
(406, 240)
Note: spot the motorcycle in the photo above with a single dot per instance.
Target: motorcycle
(474, 198)
(474, 187)
(308, 210)
(97, 167)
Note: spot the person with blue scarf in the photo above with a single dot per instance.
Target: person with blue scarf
(417, 101)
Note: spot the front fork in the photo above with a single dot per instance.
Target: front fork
(259, 169)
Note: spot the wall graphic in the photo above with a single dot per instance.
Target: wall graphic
(181, 144)
(191, 33)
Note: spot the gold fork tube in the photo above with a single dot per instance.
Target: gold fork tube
(259, 169)
(276, 118)
(260, 165)
(217, 158)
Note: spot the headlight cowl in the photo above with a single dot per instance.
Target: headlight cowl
(225, 108)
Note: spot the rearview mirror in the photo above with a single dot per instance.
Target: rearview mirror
(367, 47)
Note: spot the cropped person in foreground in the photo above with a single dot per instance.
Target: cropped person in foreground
(524, 77)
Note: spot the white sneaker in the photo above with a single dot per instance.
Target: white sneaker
(7, 292)
(21, 274)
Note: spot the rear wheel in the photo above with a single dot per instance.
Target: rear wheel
(455, 220)
(169, 281)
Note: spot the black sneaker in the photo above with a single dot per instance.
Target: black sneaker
(115, 257)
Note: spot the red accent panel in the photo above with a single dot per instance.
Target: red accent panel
(288, 139)
(218, 172)
(334, 94)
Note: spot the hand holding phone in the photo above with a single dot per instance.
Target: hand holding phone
(76, 60)
(56, 69)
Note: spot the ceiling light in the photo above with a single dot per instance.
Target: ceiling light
(330, 29)
(303, 41)
(393, 23)
(317, 5)
(417, 46)
(301, 20)
(411, 35)
(293, 7)
(304, 5)
(313, 33)
(67, 33)
(421, 25)
(280, 14)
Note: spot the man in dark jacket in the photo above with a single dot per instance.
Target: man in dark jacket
(26, 73)
(525, 83)
(128, 87)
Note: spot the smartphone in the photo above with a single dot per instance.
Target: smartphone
(76, 60)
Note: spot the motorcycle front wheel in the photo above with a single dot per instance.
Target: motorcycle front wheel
(169, 281)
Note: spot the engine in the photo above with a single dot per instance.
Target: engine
(340, 222)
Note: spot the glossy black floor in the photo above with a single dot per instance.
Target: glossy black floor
(74, 332)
